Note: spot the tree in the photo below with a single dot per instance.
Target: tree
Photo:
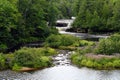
(98, 15)
(116, 16)
(9, 17)
(34, 12)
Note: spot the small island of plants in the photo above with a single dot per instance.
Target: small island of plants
(33, 58)
(104, 55)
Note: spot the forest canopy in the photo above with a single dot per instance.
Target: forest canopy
(23, 21)
(98, 15)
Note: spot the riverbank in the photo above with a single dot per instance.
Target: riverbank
(99, 62)
(104, 55)
(27, 59)
(63, 70)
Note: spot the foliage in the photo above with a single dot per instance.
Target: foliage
(71, 48)
(86, 43)
(3, 47)
(33, 57)
(66, 42)
(16, 67)
(97, 15)
(2, 62)
(102, 63)
(23, 21)
(109, 46)
(75, 58)
(61, 40)
(48, 51)
(53, 41)
(9, 17)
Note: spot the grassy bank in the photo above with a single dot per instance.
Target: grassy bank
(38, 58)
(96, 63)
(68, 42)
(104, 55)
(27, 57)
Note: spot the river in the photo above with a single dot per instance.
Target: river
(63, 70)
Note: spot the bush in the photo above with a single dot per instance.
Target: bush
(71, 48)
(53, 41)
(109, 46)
(86, 43)
(2, 62)
(53, 31)
(16, 67)
(3, 47)
(67, 40)
(102, 63)
(45, 61)
(48, 51)
(88, 49)
(76, 59)
(33, 57)
(57, 41)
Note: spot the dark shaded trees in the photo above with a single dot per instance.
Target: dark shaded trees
(23, 21)
(9, 18)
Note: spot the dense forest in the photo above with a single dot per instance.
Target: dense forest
(23, 21)
(98, 15)
(28, 21)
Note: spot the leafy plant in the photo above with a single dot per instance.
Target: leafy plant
(109, 46)
(2, 62)
(33, 57)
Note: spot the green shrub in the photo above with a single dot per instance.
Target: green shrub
(76, 59)
(71, 48)
(60, 40)
(85, 43)
(48, 51)
(33, 57)
(53, 41)
(3, 47)
(89, 63)
(67, 40)
(53, 31)
(102, 63)
(9, 58)
(45, 61)
(115, 37)
(2, 62)
(88, 49)
(16, 67)
(109, 46)
(56, 41)
(116, 63)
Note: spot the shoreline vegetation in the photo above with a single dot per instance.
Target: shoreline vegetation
(26, 21)
(87, 54)
(26, 59)
(104, 55)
